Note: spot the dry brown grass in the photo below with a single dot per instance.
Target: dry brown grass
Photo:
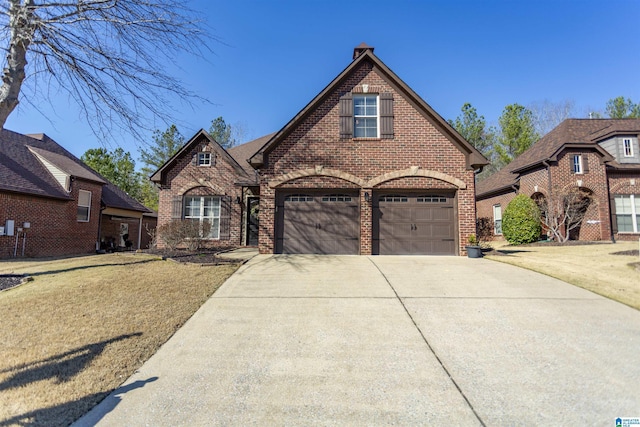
(591, 267)
(85, 324)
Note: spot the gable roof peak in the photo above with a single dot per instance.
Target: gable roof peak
(360, 49)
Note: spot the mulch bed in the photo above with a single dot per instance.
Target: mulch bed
(511, 249)
(8, 281)
(633, 252)
(206, 256)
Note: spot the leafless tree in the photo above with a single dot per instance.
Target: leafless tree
(547, 114)
(563, 211)
(110, 56)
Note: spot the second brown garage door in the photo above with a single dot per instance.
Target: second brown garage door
(407, 224)
(318, 223)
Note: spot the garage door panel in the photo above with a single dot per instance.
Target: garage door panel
(319, 223)
(442, 214)
(415, 224)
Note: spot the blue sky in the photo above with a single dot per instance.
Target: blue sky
(275, 56)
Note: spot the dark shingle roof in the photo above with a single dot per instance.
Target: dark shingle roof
(242, 153)
(584, 131)
(22, 172)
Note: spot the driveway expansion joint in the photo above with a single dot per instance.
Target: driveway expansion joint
(424, 338)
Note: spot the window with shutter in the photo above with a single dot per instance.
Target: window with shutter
(576, 165)
(206, 210)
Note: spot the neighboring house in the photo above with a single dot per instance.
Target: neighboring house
(51, 202)
(367, 167)
(599, 156)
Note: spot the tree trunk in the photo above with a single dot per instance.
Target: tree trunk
(22, 27)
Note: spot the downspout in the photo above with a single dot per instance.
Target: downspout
(102, 208)
(613, 237)
(548, 166)
(140, 232)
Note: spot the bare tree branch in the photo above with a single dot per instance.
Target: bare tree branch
(563, 211)
(109, 56)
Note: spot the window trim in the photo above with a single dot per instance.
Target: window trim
(624, 147)
(88, 207)
(201, 218)
(635, 214)
(364, 116)
(204, 159)
(577, 167)
(497, 208)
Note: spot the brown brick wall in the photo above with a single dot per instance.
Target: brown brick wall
(484, 209)
(216, 180)
(596, 224)
(55, 230)
(417, 142)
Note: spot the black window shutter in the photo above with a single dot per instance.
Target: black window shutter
(225, 218)
(176, 207)
(386, 115)
(614, 219)
(585, 164)
(346, 116)
(573, 164)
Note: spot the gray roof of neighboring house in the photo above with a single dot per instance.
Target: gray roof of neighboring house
(22, 172)
(570, 131)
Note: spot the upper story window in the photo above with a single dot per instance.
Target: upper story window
(577, 164)
(84, 205)
(365, 116)
(204, 159)
(627, 145)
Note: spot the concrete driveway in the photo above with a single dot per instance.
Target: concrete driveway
(356, 340)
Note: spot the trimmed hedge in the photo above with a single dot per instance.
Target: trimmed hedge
(521, 221)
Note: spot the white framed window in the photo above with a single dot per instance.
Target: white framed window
(204, 159)
(206, 210)
(497, 220)
(84, 205)
(627, 146)
(365, 116)
(577, 163)
(628, 213)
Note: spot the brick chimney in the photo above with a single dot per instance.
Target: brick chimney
(360, 49)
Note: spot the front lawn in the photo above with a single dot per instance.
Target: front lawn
(84, 325)
(594, 267)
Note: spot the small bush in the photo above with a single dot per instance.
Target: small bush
(521, 221)
(171, 233)
(192, 232)
(485, 229)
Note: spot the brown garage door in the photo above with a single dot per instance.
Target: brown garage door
(318, 223)
(408, 224)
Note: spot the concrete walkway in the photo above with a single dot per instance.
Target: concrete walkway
(355, 340)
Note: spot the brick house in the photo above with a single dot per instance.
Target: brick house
(52, 204)
(599, 156)
(367, 167)
(205, 182)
